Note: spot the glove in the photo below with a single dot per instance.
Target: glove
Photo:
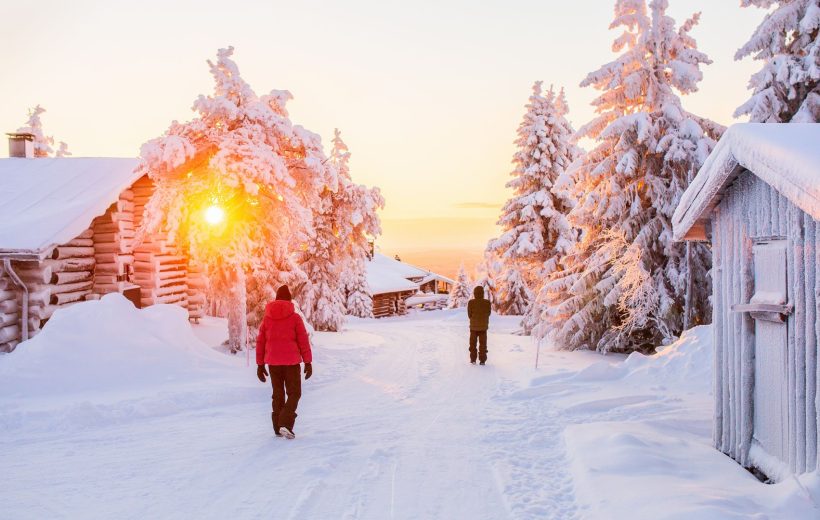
(308, 371)
(261, 372)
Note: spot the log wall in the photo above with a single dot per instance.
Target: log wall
(113, 244)
(749, 210)
(9, 316)
(390, 304)
(160, 267)
(99, 261)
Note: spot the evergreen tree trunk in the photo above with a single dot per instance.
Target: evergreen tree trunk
(237, 311)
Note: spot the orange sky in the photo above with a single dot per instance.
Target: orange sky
(428, 94)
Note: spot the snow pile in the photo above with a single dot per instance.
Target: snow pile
(649, 454)
(641, 470)
(105, 346)
(684, 364)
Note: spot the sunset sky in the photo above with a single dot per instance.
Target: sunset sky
(428, 94)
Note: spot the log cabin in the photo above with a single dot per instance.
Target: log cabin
(67, 230)
(395, 285)
(757, 201)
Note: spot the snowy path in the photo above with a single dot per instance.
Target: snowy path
(395, 424)
(402, 427)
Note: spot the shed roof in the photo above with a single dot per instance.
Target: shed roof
(49, 201)
(785, 156)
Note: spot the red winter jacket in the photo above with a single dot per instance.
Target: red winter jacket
(282, 338)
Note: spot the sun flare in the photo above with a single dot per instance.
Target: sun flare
(214, 215)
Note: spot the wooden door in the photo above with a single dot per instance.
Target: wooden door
(771, 341)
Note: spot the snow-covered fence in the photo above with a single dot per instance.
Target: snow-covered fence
(766, 279)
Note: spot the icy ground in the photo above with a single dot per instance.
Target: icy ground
(117, 413)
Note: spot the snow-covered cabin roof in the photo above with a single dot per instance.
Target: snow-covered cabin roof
(429, 277)
(785, 156)
(49, 201)
(400, 268)
(385, 275)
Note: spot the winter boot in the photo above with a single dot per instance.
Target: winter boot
(275, 428)
(481, 363)
(283, 431)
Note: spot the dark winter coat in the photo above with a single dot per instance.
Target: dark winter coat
(282, 338)
(478, 310)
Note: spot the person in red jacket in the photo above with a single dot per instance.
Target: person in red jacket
(282, 345)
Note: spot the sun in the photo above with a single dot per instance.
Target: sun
(214, 215)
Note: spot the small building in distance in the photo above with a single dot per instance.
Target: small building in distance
(67, 234)
(395, 286)
(757, 200)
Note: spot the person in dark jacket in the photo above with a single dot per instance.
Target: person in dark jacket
(478, 310)
(282, 345)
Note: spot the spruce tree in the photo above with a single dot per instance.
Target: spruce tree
(489, 272)
(787, 87)
(356, 225)
(515, 298)
(624, 284)
(536, 231)
(42, 143)
(461, 292)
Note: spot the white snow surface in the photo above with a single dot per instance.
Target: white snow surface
(785, 156)
(113, 412)
(49, 201)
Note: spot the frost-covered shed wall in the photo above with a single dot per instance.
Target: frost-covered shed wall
(757, 198)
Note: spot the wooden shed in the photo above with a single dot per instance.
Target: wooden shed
(757, 200)
(67, 230)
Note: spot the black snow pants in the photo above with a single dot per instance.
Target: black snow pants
(480, 337)
(287, 389)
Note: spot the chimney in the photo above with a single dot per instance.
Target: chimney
(21, 145)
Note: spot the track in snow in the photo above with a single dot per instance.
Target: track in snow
(402, 429)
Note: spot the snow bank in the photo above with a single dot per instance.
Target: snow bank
(684, 364)
(657, 461)
(107, 345)
(105, 361)
(638, 470)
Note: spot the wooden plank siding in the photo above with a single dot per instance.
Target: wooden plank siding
(749, 211)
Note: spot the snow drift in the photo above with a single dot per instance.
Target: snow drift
(684, 364)
(656, 447)
(105, 361)
(108, 345)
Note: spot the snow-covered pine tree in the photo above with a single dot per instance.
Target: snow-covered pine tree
(462, 291)
(324, 258)
(357, 224)
(42, 143)
(243, 156)
(515, 298)
(536, 232)
(787, 87)
(489, 271)
(624, 286)
(359, 302)
(62, 151)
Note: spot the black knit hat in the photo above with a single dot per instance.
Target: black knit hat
(283, 293)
